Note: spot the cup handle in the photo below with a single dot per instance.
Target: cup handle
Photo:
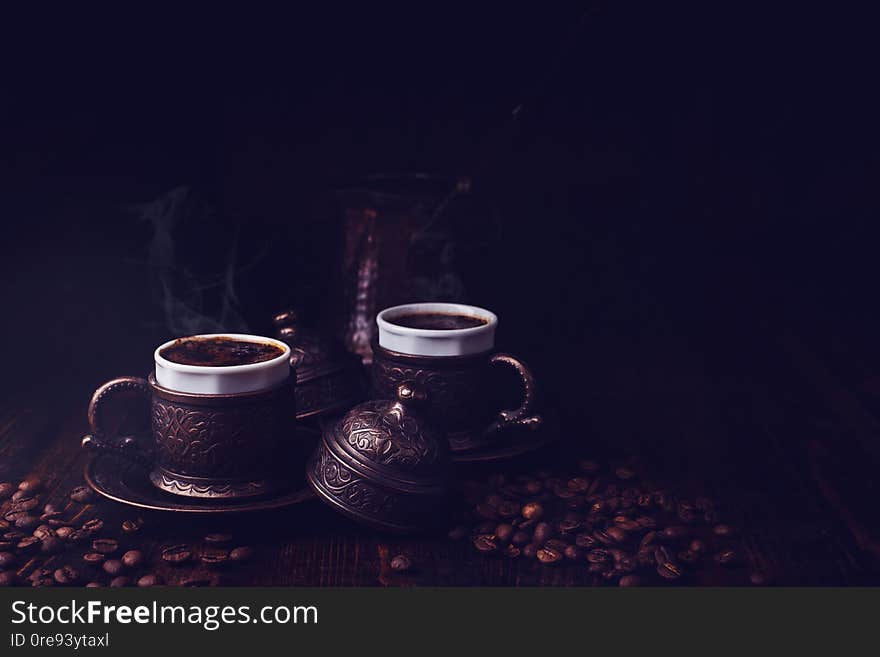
(98, 440)
(521, 416)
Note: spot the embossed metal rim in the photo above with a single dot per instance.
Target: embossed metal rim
(195, 506)
(372, 521)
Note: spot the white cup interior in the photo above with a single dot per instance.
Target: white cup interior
(223, 379)
(436, 342)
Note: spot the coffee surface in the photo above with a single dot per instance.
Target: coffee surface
(219, 352)
(438, 321)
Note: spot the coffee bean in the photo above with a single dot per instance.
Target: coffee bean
(512, 551)
(529, 551)
(726, 557)
(697, 546)
(105, 545)
(78, 536)
(548, 555)
(662, 554)
(58, 522)
(675, 533)
(626, 524)
(7, 545)
(131, 526)
(133, 558)
(486, 511)
(119, 582)
(532, 511)
(93, 526)
(64, 532)
(214, 558)
(51, 509)
(28, 544)
(600, 506)
(51, 545)
(568, 526)
(599, 555)
(241, 554)
(619, 535)
(669, 570)
(504, 532)
(401, 563)
(44, 531)
(533, 487)
(584, 540)
(94, 585)
(14, 535)
(6, 489)
(25, 500)
(26, 521)
(148, 580)
(457, 533)
(8, 578)
(543, 532)
(47, 517)
(176, 554)
(66, 575)
(573, 552)
(508, 509)
(94, 558)
(723, 531)
(7, 559)
(485, 543)
(520, 538)
(81, 494)
(629, 580)
(113, 566)
(603, 537)
(30, 484)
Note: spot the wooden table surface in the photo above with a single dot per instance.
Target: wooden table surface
(775, 441)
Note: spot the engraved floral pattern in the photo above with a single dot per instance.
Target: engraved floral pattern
(214, 442)
(387, 434)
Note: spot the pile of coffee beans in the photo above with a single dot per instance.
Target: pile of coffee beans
(619, 528)
(44, 545)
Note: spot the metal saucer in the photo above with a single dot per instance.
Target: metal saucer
(122, 480)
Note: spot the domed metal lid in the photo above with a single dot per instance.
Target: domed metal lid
(390, 441)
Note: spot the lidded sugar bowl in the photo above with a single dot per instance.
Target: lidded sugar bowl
(383, 465)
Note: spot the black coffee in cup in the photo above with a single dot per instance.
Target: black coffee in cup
(219, 351)
(437, 321)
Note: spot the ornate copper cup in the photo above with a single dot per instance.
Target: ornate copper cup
(223, 432)
(459, 393)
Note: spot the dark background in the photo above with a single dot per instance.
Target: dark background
(677, 180)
